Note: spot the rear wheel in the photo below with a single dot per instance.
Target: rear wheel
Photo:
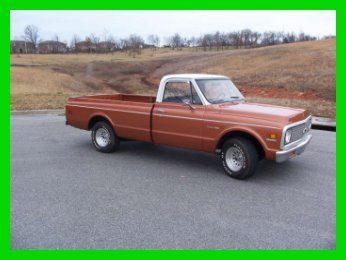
(103, 137)
(239, 158)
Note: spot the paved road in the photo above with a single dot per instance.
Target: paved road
(64, 194)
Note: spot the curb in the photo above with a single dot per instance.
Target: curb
(323, 123)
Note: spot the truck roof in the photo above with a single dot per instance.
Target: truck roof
(193, 76)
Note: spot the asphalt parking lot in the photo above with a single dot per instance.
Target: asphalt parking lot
(65, 194)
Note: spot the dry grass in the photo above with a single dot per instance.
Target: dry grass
(297, 66)
(38, 101)
(40, 80)
(298, 74)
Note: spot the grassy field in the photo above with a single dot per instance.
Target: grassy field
(297, 74)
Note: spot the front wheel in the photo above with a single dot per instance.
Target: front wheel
(239, 158)
(104, 138)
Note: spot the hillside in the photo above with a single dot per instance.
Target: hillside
(297, 74)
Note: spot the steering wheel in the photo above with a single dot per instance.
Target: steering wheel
(180, 100)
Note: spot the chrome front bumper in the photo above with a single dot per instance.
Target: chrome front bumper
(290, 152)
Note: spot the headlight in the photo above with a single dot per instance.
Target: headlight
(288, 136)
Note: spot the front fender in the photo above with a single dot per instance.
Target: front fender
(259, 136)
(246, 130)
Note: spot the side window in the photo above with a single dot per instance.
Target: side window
(177, 92)
(195, 98)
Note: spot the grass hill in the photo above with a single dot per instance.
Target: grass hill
(297, 74)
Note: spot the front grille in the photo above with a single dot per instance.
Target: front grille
(300, 130)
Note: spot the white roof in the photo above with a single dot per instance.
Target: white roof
(193, 76)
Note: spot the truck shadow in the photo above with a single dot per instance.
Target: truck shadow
(199, 162)
(183, 159)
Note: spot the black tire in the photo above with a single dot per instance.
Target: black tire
(113, 141)
(247, 151)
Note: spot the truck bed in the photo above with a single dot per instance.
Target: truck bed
(118, 97)
(132, 113)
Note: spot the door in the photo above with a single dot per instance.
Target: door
(178, 120)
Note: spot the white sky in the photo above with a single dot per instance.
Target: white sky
(165, 23)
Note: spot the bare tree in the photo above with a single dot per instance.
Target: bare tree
(245, 37)
(271, 38)
(289, 37)
(93, 42)
(305, 37)
(176, 41)
(135, 44)
(110, 43)
(193, 42)
(94, 39)
(74, 41)
(234, 39)
(31, 34)
(330, 36)
(224, 40)
(124, 44)
(202, 42)
(216, 41)
(254, 38)
(154, 40)
(55, 43)
(208, 41)
(157, 41)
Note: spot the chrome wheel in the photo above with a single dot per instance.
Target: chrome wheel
(234, 159)
(102, 137)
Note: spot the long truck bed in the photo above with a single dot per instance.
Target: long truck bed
(132, 113)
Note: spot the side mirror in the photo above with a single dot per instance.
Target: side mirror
(189, 105)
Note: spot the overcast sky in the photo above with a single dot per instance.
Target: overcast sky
(165, 23)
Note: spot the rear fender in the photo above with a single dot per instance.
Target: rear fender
(100, 114)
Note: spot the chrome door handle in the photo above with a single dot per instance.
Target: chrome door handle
(160, 110)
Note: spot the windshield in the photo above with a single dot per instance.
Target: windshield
(219, 90)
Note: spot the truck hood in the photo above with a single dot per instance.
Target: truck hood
(264, 112)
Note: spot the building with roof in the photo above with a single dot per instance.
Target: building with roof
(22, 47)
(52, 47)
(85, 46)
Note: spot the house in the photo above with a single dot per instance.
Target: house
(52, 47)
(22, 47)
(146, 46)
(105, 46)
(85, 46)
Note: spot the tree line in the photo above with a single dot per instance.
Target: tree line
(238, 39)
(133, 44)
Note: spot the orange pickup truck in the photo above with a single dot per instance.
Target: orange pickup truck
(195, 111)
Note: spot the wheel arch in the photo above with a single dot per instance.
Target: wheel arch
(97, 118)
(244, 133)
